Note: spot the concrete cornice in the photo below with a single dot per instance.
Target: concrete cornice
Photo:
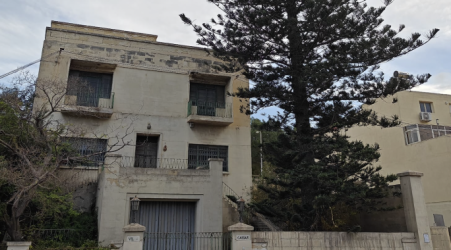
(240, 227)
(127, 39)
(104, 29)
(410, 173)
(18, 243)
(134, 227)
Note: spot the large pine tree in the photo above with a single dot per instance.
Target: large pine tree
(313, 59)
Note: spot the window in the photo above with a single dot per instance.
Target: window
(88, 147)
(411, 133)
(89, 87)
(207, 98)
(146, 151)
(426, 107)
(198, 155)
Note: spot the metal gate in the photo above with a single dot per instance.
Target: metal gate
(163, 217)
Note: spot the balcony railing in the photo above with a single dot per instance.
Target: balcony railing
(166, 163)
(88, 104)
(214, 109)
(87, 99)
(153, 162)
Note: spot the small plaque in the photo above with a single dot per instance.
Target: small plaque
(243, 237)
(426, 238)
(133, 238)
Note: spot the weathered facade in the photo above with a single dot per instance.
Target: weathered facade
(421, 142)
(169, 104)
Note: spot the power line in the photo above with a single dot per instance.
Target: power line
(29, 64)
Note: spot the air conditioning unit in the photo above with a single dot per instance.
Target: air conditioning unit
(425, 116)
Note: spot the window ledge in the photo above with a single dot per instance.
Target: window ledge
(96, 112)
(210, 120)
(225, 173)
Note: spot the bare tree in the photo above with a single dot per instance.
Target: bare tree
(35, 144)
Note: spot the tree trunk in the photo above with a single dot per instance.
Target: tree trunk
(13, 227)
(13, 221)
(299, 86)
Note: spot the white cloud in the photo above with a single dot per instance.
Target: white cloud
(24, 21)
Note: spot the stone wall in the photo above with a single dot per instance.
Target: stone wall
(332, 240)
(82, 182)
(117, 185)
(440, 238)
(386, 221)
(230, 215)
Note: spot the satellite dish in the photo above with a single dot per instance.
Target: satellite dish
(395, 74)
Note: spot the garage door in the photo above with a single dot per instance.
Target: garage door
(167, 224)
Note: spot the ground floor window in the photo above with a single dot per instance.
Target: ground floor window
(198, 155)
(93, 149)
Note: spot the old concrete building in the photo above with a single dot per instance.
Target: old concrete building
(421, 142)
(171, 108)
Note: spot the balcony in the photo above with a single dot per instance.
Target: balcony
(212, 113)
(87, 104)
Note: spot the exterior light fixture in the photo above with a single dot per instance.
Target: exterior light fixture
(240, 204)
(149, 126)
(134, 203)
(191, 125)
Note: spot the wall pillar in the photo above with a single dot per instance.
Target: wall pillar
(133, 237)
(214, 212)
(415, 208)
(18, 245)
(241, 236)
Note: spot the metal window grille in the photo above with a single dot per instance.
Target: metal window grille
(198, 155)
(89, 87)
(207, 98)
(93, 149)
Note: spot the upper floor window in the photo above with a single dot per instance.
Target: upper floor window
(90, 89)
(207, 98)
(426, 107)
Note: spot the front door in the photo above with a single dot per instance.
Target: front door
(146, 151)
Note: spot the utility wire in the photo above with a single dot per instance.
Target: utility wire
(29, 64)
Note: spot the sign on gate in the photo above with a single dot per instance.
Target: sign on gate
(133, 238)
(243, 237)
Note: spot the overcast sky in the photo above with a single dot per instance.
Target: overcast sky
(23, 22)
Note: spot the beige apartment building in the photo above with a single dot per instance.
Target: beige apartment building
(422, 143)
(171, 108)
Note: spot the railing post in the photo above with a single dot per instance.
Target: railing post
(133, 237)
(415, 208)
(241, 236)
